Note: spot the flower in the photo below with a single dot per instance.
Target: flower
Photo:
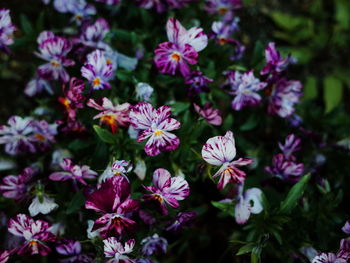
(223, 30)
(162, 5)
(342, 256)
(35, 233)
(181, 220)
(143, 91)
(43, 134)
(197, 83)
(72, 248)
(15, 187)
(116, 250)
(97, 70)
(222, 7)
(167, 190)
(118, 167)
(6, 29)
(54, 49)
(211, 115)
(42, 204)
(249, 203)
(154, 245)
(79, 8)
(140, 169)
(112, 115)
(284, 95)
(155, 125)
(285, 169)
(93, 35)
(113, 201)
(4, 256)
(72, 171)
(109, 2)
(291, 145)
(244, 87)
(37, 85)
(181, 49)
(220, 151)
(346, 227)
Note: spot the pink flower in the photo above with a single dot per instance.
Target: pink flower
(73, 172)
(112, 115)
(35, 233)
(155, 126)
(167, 190)
(117, 250)
(220, 151)
(211, 115)
(113, 201)
(4, 256)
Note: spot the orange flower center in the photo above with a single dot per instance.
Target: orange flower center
(40, 137)
(54, 63)
(158, 198)
(222, 41)
(108, 61)
(33, 243)
(158, 132)
(96, 82)
(175, 56)
(111, 121)
(223, 10)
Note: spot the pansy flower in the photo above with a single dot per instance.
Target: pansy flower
(35, 233)
(182, 220)
(346, 227)
(342, 256)
(248, 203)
(36, 86)
(72, 249)
(211, 115)
(80, 9)
(220, 151)
(244, 86)
(181, 49)
(118, 168)
(154, 245)
(54, 49)
(97, 70)
(197, 82)
(112, 115)
(42, 204)
(93, 35)
(112, 201)
(291, 145)
(162, 5)
(143, 91)
(4, 256)
(155, 125)
(6, 30)
(118, 251)
(72, 171)
(167, 190)
(43, 134)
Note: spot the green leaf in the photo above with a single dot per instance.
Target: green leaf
(104, 135)
(332, 92)
(310, 88)
(227, 208)
(25, 24)
(287, 21)
(76, 203)
(342, 10)
(258, 53)
(179, 107)
(250, 124)
(294, 194)
(246, 249)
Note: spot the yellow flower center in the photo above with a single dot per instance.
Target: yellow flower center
(96, 82)
(108, 61)
(158, 132)
(158, 198)
(223, 10)
(33, 243)
(54, 63)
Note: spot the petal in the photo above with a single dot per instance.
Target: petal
(174, 30)
(242, 212)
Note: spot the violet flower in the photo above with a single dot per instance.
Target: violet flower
(6, 30)
(72, 248)
(291, 145)
(154, 245)
(182, 220)
(197, 82)
(212, 116)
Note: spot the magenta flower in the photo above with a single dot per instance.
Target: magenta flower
(93, 35)
(35, 233)
(342, 256)
(54, 49)
(220, 151)
(72, 248)
(6, 30)
(244, 87)
(113, 201)
(154, 245)
(73, 172)
(197, 82)
(167, 190)
(212, 116)
(285, 94)
(155, 126)
(112, 115)
(181, 49)
(15, 187)
(181, 220)
(249, 203)
(291, 145)
(4, 256)
(97, 70)
(117, 251)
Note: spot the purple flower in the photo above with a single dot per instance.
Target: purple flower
(35, 233)
(197, 82)
(6, 30)
(346, 227)
(15, 187)
(72, 248)
(97, 70)
(275, 63)
(155, 126)
(223, 7)
(181, 220)
(117, 250)
(220, 151)
(154, 245)
(249, 203)
(223, 31)
(162, 5)
(119, 167)
(212, 116)
(285, 94)
(93, 35)
(54, 49)
(244, 87)
(37, 85)
(285, 169)
(167, 190)
(73, 172)
(342, 256)
(43, 134)
(291, 145)
(181, 49)
(79, 8)
(113, 201)
(4, 256)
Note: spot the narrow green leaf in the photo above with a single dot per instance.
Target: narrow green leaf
(310, 88)
(104, 135)
(25, 24)
(332, 93)
(76, 203)
(246, 249)
(228, 207)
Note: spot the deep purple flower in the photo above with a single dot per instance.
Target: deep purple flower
(35, 233)
(97, 70)
(220, 151)
(197, 82)
(285, 94)
(73, 172)
(223, 7)
(154, 245)
(181, 49)
(248, 203)
(113, 201)
(291, 145)
(162, 5)
(43, 134)
(93, 35)
(211, 115)
(54, 49)
(117, 250)
(6, 30)
(181, 220)
(223, 31)
(342, 256)
(244, 87)
(167, 190)
(285, 169)
(155, 126)
(15, 187)
(72, 248)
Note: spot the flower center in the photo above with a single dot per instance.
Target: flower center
(96, 81)
(175, 56)
(33, 243)
(222, 41)
(108, 61)
(158, 198)
(54, 63)
(158, 132)
(223, 10)
(40, 137)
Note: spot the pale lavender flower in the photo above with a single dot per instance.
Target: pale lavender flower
(109, 2)
(36, 86)
(72, 248)
(118, 168)
(80, 9)
(154, 245)
(6, 30)
(346, 227)
(143, 91)
(93, 35)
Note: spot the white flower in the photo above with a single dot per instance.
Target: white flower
(46, 206)
(143, 91)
